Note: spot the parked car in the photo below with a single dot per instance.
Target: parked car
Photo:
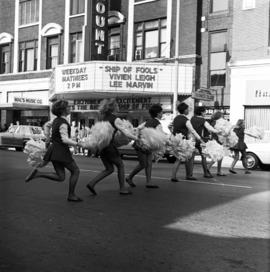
(20, 136)
(128, 150)
(258, 155)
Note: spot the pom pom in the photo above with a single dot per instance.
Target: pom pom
(120, 138)
(100, 136)
(179, 147)
(214, 150)
(35, 151)
(255, 132)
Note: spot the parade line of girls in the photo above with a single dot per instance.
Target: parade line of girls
(59, 140)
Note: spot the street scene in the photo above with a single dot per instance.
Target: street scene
(135, 135)
(217, 225)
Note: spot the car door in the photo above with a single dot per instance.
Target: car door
(18, 136)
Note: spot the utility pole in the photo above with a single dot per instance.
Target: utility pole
(176, 55)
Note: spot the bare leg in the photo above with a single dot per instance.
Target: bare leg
(74, 176)
(141, 165)
(235, 159)
(175, 169)
(148, 168)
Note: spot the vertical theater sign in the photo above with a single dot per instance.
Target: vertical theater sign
(96, 34)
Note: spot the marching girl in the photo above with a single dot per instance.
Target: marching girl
(110, 155)
(58, 151)
(181, 124)
(145, 157)
(240, 147)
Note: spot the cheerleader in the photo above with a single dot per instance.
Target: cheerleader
(181, 124)
(200, 125)
(58, 151)
(110, 155)
(145, 157)
(240, 147)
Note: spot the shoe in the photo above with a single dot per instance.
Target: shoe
(91, 189)
(190, 178)
(151, 186)
(208, 176)
(175, 180)
(247, 172)
(232, 171)
(221, 175)
(130, 183)
(74, 199)
(31, 175)
(125, 192)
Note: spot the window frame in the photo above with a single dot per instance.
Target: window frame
(25, 20)
(245, 6)
(74, 12)
(116, 51)
(49, 43)
(218, 11)
(7, 49)
(225, 50)
(23, 64)
(143, 32)
(74, 43)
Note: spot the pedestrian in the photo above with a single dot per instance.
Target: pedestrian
(58, 151)
(145, 157)
(216, 116)
(74, 135)
(181, 124)
(110, 155)
(240, 147)
(200, 125)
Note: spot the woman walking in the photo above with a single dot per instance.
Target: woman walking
(58, 151)
(145, 157)
(240, 147)
(110, 155)
(181, 124)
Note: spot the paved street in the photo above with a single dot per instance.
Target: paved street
(210, 225)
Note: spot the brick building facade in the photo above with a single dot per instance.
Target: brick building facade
(37, 35)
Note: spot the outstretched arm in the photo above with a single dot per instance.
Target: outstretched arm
(64, 136)
(210, 128)
(193, 131)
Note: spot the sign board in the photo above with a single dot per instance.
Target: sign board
(36, 98)
(203, 94)
(96, 33)
(138, 103)
(123, 77)
(258, 93)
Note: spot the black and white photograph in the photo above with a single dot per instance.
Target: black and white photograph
(135, 135)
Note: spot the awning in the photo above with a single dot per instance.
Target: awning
(23, 106)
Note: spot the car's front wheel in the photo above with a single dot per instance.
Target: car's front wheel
(252, 161)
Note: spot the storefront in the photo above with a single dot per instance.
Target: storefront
(24, 101)
(136, 86)
(250, 93)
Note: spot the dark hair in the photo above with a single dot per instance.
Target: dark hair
(199, 110)
(154, 110)
(182, 107)
(217, 115)
(59, 107)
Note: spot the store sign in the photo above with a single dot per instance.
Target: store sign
(124, 103)
(36, 98)
(203, 94)
(99, 29)
(122, 77)
(211, 110)
(258, 93)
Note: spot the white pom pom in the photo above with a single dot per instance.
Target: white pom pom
(35, 151)
(214, 150)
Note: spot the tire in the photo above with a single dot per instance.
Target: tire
(252, 161)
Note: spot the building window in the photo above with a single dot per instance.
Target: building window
(248, 4)
(114, 43)
(218, 55)
(219, 5)
(28, 56)
(29, 11)
(5, 59)
(76, 7)
(76, 47)
(52, 52)
(150, 39)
